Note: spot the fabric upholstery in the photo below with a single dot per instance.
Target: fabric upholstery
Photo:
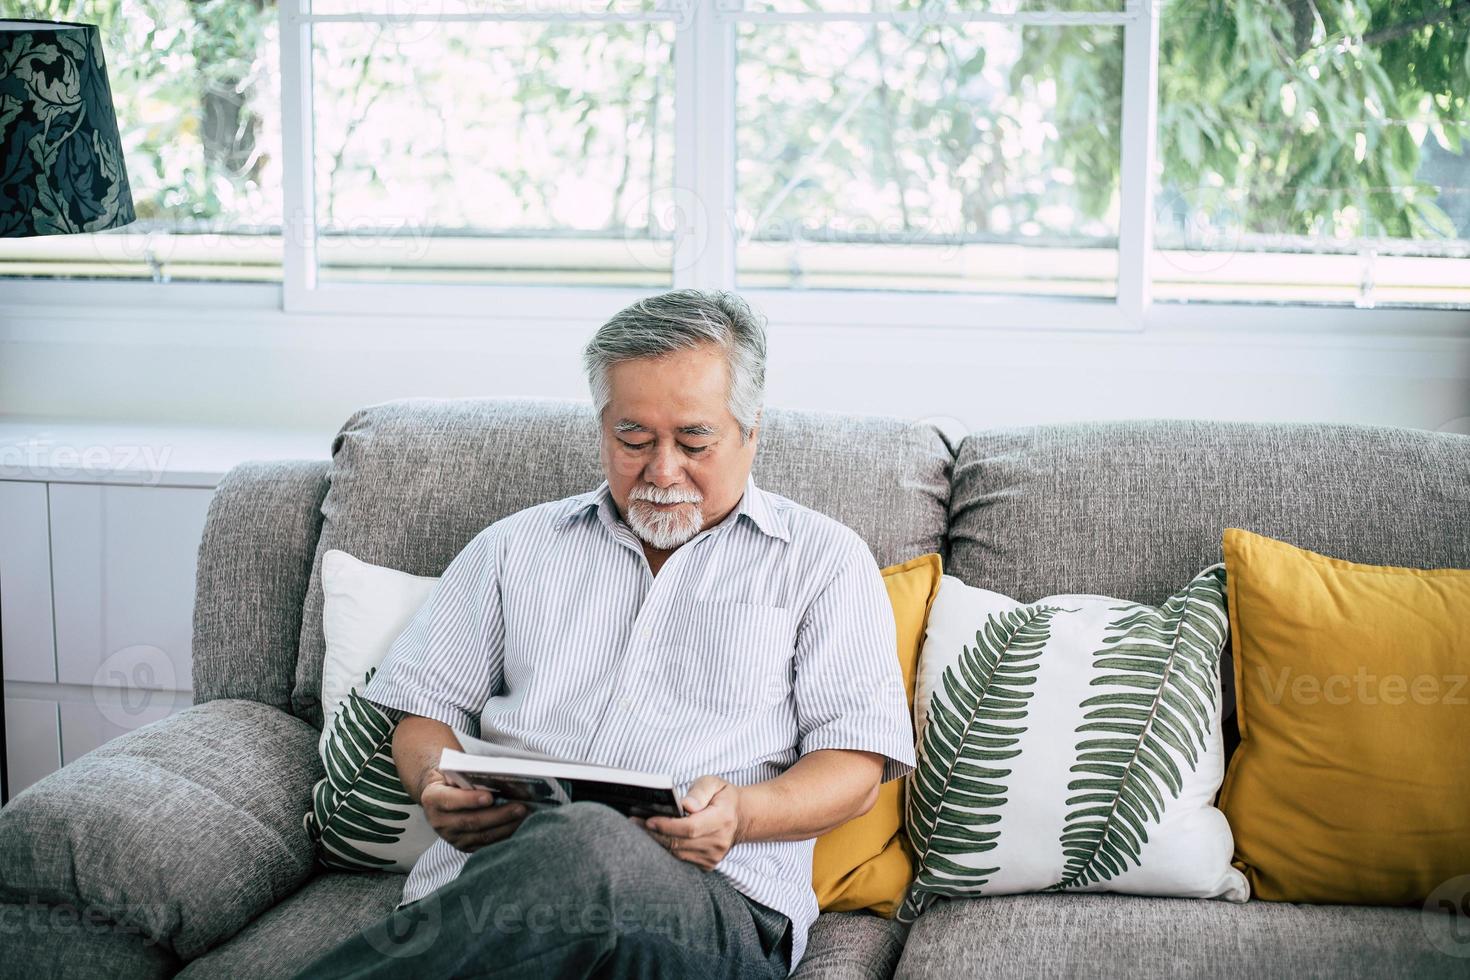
(333, 905)
(1081, 936)
(323, 912)
(412, 481)
(1132, 508)
(1353, 699)
(74, 941)
(187, 828)
(254, 563)
(851, 946)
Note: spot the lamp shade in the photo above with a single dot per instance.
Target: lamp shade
(61, 160)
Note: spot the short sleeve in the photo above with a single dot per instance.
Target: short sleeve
(849, 687)
(450, 658)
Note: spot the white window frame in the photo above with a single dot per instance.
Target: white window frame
(704, 183)
(703, 253)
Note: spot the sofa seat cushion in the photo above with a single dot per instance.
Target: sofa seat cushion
(851, 946)
(67, 940)
(325, 911)
(184, 830)
(1084, 935)
(334, 904)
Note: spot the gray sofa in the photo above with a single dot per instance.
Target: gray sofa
(179, 847)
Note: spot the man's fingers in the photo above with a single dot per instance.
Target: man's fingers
(446, 797)
(484, 818)
(691, 826)
(701, 792)
(476, 840)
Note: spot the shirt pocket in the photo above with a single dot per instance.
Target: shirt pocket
(731, 658)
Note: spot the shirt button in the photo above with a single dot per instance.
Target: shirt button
(624, 703)
(647, 633)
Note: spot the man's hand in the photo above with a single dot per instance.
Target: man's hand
(713, 826)
(466, 817)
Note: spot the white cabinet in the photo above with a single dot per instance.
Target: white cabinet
(100, 526)
(123, 561)
(97, 599)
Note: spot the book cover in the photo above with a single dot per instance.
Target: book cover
(540, 781)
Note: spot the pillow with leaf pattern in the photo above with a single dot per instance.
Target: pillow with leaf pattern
(361, 817)
(1070, 744)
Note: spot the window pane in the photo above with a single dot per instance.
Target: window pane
(979, 157)
(196, 89)
(495, 152)
(1314, 153)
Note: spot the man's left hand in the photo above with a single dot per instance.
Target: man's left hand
(712, 827)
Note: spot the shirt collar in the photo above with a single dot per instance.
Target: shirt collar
(754, 503)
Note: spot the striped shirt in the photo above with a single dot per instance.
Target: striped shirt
(762, 638)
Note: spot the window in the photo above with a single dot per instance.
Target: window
(1314, 152)
(1084, 158)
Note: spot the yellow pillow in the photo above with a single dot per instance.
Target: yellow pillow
(1350, 784)
(865, 864)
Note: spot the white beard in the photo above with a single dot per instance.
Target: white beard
(664, 529)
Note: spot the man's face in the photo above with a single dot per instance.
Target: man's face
(683, 468)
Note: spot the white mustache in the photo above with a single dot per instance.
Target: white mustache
(657, 497)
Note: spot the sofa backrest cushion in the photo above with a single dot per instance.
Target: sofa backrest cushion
(1135, 509)
(413, 480)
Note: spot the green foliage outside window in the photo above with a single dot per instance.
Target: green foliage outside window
(1336, 118)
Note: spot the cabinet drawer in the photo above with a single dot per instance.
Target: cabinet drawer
(32, 742)
(25, 584)
(123, 561)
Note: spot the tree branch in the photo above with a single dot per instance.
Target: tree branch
(1394, 31)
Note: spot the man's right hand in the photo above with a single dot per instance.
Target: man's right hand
(467, 818)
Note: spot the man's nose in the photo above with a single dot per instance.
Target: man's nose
(665, 468)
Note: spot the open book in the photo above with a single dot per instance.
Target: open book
(541, 781)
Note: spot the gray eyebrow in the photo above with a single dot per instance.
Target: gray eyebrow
(698, 429)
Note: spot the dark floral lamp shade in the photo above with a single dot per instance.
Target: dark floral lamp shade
(61, 160)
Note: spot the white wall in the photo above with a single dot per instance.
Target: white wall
(256, 366)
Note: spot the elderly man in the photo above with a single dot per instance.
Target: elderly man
(677, 619)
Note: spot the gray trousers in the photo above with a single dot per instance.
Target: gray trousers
(576, 891)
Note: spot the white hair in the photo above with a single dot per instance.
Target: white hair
(685, 319)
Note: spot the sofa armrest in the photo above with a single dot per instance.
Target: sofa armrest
(254, 567)
(183, 830)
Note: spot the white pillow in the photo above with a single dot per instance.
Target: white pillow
(365, 607)
(1033, 692)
